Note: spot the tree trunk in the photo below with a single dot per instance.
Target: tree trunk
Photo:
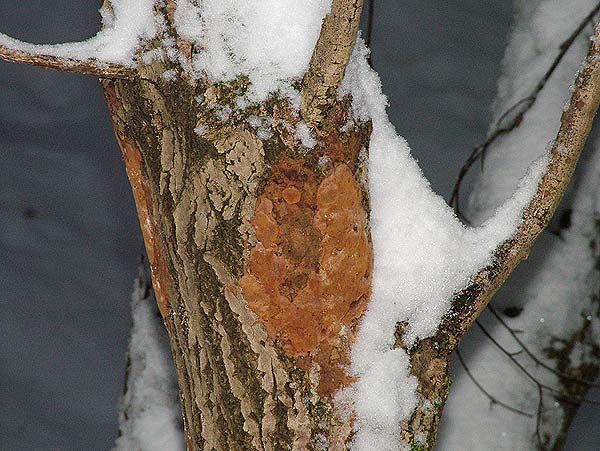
(256, 224)
(261, 257)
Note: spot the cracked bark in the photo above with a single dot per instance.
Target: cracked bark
(260, 249)
(329, 60)
(260, 253)
(259, 353)
(261, 259)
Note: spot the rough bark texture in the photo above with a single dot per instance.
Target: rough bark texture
(260, 249)
(430, 364)
(329, 60)
(261, 258)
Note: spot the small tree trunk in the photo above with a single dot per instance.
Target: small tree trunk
(258, 237)
(261, 257)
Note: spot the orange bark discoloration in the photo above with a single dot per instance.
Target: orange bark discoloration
(161, 279)
(309, 276)
(291, 195)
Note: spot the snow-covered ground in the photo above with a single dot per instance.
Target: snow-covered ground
(68, 235)
(69, 242)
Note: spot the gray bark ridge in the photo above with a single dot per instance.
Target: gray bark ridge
(251, 376)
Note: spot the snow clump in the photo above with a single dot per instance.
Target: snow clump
(423, 255)
(270, 41)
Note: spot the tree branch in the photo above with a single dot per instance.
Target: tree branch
(575, 126)
(329, 60)
(520, 108)
(49, 57)
(493, 400)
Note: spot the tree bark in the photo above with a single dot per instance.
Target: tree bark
(260, 248)
(261, 258)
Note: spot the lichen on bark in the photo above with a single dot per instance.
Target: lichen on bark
(223, 205)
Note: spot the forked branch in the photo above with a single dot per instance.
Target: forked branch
(50, 57)
(429, 359)
(575, 126)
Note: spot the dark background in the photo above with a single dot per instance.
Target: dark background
(69, 238)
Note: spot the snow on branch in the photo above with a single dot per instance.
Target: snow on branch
(576, 123)
(111, 53)
(62, 57)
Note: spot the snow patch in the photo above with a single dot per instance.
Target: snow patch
(150, 413)
(305, 135)
(200, 130)
(170, 75)
(423, 255)
(270, 41)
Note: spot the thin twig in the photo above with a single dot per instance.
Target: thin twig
(479, 151)
(492, 399)
(539, 387)
(535, 358)
(538, 417)
(555, 392)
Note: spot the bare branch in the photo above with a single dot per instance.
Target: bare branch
(576, 123)
(537, 360)
(521, 108)
(556, 392)
(329, 59)
(493, 400)
(49, 57)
